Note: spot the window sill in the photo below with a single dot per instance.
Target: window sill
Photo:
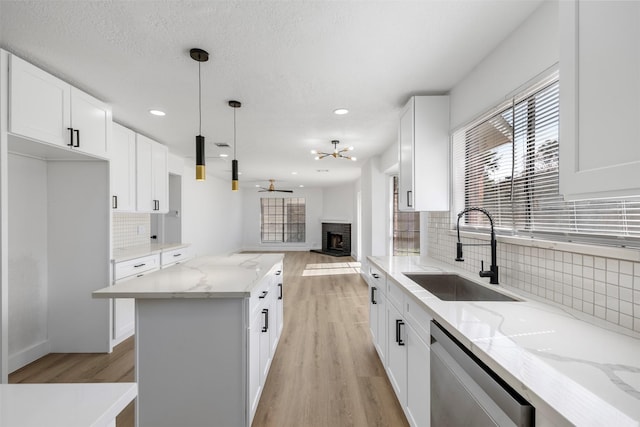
(626, 254)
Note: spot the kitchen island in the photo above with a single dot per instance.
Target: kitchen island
(206, 332)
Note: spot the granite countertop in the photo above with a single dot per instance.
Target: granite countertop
(232, 276)
(573, 371)
(125, 254)
(69, 405)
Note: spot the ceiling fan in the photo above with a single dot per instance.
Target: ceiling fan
(272, 188)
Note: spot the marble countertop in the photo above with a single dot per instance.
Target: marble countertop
(232, 276)
(571, 370)
(68, 405)
(125, 254)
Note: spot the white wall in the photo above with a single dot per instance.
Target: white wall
(314, 201)
(532, 48)
(212, 215)
(373, 188)
(338, 203)
(27, 257)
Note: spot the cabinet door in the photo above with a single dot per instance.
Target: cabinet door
(255, 385)
(599, 98)
(266, 314)
(279, 301)
(418, 380)
(381, 339)
(123, 169)
(144, 175)
(39, 104)
(123, 318)
(405, 178)
(160, 177)
(397, 353)
(91, 121)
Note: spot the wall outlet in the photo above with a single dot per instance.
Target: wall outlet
(141, 229)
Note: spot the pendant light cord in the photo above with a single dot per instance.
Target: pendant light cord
(234, 133)
(199, 101)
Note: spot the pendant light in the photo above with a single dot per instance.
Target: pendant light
(201, 174)
(234, 163)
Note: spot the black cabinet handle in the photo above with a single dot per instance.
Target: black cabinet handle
(399, 323)
(373, 295)
(139, 265)
(409, 201)
(264, 294)
(175, 255)
(278, 272)
(70, 144)
(375, 275)
(114, 202)
(265, 311)
(280, 287)
(77, 131)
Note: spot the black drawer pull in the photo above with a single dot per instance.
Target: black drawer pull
(399, 323)
(177, 255)
(70, 144)
(373, 295)
(278, 272)
(265, 311)
(280, 287)
(139, 265)
(375, 275)
(264, 294)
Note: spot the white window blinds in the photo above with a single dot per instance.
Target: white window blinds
(507, 162)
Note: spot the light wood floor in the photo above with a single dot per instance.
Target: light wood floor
(325, 371)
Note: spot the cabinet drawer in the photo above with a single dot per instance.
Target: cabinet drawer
(260, 295)
(136, 266)
(174, 256)
(417, 316)
(377, 278)
(395, 295)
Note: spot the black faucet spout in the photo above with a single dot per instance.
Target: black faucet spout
(492, 273)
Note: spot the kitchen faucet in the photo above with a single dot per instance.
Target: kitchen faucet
(492, 273)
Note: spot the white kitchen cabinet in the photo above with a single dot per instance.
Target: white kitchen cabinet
(47, 109)
(123, 169)
(279, 300)
(152, 178)
(123, 309)
(174, 256)
(599, 99)
(377, 310)
(423, 183)
(397, 353)
(418, 364)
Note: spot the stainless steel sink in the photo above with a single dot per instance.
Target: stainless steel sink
(451, 287)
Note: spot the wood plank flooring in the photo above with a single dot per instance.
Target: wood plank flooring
(325, 371)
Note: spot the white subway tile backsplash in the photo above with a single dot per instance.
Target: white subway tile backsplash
(606, 288)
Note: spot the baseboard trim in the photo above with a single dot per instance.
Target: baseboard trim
(28, 355)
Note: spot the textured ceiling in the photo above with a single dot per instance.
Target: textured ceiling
(290, 63)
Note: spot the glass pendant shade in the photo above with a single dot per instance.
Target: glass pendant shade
(201, 172)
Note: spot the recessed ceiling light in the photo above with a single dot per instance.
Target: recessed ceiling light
(257, 185)
(301, 186)
(322, 170)
(341, 111)
(294, 173)
(157, 113)
(224, 155)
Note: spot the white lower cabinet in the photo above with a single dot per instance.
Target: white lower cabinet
(418, 406)
(400, 332)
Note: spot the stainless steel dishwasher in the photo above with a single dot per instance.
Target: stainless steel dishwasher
(465, 392)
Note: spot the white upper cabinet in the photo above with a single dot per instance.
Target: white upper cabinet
(123, 169)
(599, 99)
(152, 177)
(45, 108)
(424, 154)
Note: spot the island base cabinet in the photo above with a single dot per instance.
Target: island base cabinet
(191, 363)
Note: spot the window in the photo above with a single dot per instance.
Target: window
(406, 228)
(282, 220)
(508, 162)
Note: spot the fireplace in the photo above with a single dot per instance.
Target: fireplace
(336, 239)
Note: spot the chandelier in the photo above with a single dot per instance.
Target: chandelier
(336, 153)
